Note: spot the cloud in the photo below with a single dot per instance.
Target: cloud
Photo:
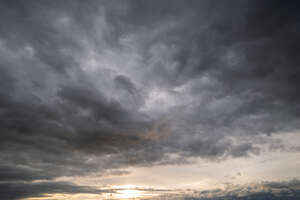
(132, 83)
(20, 190)
(287, 190)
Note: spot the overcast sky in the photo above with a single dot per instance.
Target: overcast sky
(149, 99)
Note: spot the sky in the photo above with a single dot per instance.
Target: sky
(140, 99)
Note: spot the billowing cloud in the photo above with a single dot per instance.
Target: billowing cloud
(89, 87)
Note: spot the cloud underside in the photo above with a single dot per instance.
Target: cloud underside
(91, 86)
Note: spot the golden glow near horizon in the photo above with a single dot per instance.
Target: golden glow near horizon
(129, 192)
(119, 193)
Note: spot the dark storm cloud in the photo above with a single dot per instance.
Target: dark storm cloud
(128, 83)
(10, 173)
(19, 190)
(125, 83)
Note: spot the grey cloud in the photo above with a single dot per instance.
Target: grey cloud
(19, 190)
(125, 83)
(10, 173)
(82, 80)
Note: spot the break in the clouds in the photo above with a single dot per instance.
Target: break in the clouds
(89, 87)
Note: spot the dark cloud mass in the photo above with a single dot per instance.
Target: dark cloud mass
(91, 86)
(20, 190)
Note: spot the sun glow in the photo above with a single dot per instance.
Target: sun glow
(129, 193)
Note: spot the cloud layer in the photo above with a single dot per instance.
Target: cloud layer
(91, 86)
